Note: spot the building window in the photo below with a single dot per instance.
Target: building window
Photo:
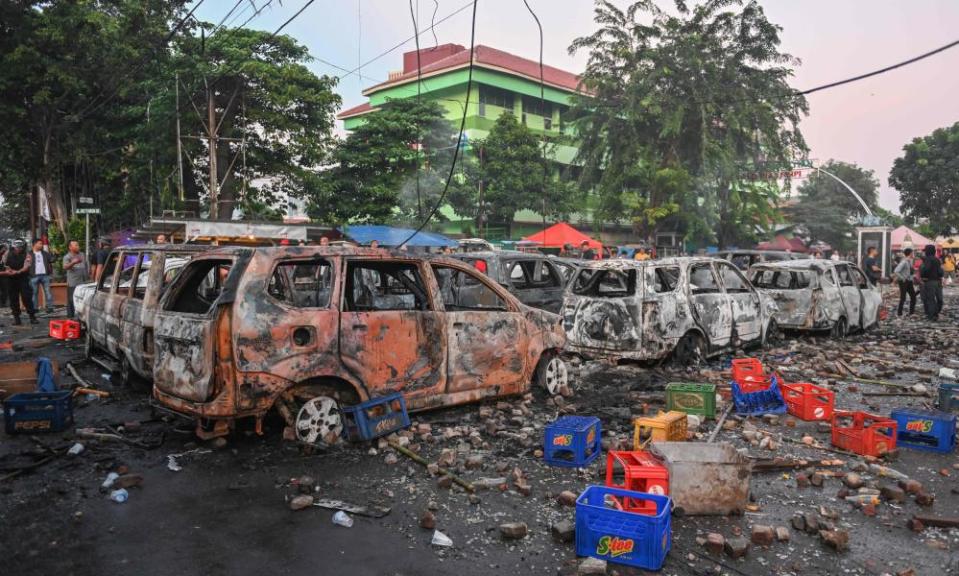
(537, 107)
(491, 96)
(547, 123)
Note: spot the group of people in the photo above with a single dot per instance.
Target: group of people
(25, 273)
(927, 271)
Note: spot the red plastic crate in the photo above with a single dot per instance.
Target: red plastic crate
(863, 433)
(809, 402)
(65, 329)
(642, 472)
(751, 376)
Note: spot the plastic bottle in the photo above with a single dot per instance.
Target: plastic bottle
(440, 539)
(75, 449)
(343, 519)
(108, 483)
(119, 496)
(863, 499)
(885, 471)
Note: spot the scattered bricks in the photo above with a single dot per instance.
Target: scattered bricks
(911, 486)
(591, 567)
(842, 493)
(474, 462)
(782, 533)
(893, 493)
(517, 474)
(736, 547)
(802, 481)
(808, 440)
(128, 481)
(817, 479)
(427, 520)
(924, 498)
(762, 535)
(390, 459)
(730, 425)
(799, 522)
(715, 543)
(869, 509)
(812, 522)
(537, 453)
(446, 459)
(567, 498)
(829, 513)
(771, 419)
(305, 484)
(433, 468)
(445, 482)
(791, 422)
(513, 530)
(563, 531)
(853, 480)
(907, 572)
(838, 540)
(300, 502)
(944, 472)
(474, 499)
(523, 488)
(502, 467)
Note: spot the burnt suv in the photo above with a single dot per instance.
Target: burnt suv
(309, 329)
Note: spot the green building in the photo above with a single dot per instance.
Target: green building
(501, 82)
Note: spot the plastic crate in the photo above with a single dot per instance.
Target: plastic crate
(927, 430)
(31, 412)
(620, 536)
(640, 472)
(572, 441)
(769, 401)
(949, 396)
(809, 402)
(750, 374)
(692, 398)
(375, 417)
(65, 329)
(863, 433)
(666, 427)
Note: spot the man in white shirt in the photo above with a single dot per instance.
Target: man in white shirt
(40, 269)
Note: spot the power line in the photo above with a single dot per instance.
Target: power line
(542, 104)
(419, 76)
(459, 140)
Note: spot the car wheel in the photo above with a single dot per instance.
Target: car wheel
(840, 329)
(773, 336)
(319, 421)
(691, 350)
(552, 374)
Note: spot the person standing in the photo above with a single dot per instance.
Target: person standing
(586, 253)
(903, 276)
(949, 268)
(3, 279)
(18, 264)
(40, 270)
(100, 258)
(931, 275)
(75, 266)
(871, 265)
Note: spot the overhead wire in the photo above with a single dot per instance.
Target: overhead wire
(419, 78)
(542, 105)
(459, 140)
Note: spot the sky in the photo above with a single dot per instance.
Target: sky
(867, 122)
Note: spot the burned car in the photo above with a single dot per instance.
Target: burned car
(309, 329)
(819, 295)
(743, 259)
(120, 313)
(534, 278)
(692, 307)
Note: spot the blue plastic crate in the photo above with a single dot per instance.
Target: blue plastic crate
(375, 417)
(572, 441)
(928, 430)
(606, 532)
(31, 412)
(949, 396)
(769, 401)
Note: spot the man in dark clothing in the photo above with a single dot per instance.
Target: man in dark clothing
(3, 279)
(587, 253)
(931, 274)
(18, 263)
(871, 266)
(903, 275)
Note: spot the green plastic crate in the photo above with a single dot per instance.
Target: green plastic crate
(699, 399)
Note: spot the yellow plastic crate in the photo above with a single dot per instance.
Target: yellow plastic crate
(665, 427)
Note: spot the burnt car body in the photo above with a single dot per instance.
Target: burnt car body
(819, 294)
(119, 316)
(743, 259)
(308, 329)
(646, 310)
(535, 279)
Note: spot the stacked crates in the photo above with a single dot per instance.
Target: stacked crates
(640, 472)
(749, 374)
(863, 433)
(765, 401)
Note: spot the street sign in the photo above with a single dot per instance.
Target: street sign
(88, 210)
(85, 200)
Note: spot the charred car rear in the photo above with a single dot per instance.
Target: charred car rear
(308, 329)
(644, 310)
(819, 294)
(533, 278)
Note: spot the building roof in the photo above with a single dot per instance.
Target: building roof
(491, 58)
(363, 108)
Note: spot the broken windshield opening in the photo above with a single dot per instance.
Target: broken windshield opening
(605, 283)
(781, 279)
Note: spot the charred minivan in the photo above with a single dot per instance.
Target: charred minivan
(119, 316)
(819, 295)
(535, 279)
(645, 310)
(309, 329)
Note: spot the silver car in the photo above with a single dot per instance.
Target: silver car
(819, 295)
(645, 310)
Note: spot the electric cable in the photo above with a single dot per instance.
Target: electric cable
(542, 105)
(459, 140)
(436, 8)
(419, 77)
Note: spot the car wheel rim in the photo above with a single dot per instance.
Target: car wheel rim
(319, 420)
(691, 351)
(556, 376)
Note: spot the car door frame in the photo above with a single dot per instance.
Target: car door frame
(721, 337)
(549, 298)
(851, 297)
(750, 297)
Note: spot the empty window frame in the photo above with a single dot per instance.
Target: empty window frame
(302, 284)
(381, 286)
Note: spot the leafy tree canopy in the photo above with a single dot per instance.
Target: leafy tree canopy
(827, 209)
(927, 178)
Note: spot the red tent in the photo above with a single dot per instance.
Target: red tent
(558, 235)
(784, 244)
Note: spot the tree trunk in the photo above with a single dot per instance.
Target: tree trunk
(58, 207)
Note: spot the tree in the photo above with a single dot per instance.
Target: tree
(927, 178)
(372, 166)
(678, 107)
(827, 209)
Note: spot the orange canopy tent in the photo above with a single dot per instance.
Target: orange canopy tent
(561, 234)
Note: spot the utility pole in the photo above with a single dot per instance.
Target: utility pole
(211, 132)
(179, 145)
